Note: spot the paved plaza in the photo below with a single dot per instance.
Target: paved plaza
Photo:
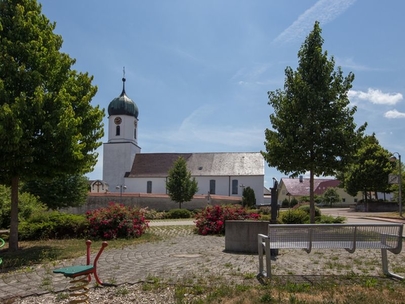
(183, 254)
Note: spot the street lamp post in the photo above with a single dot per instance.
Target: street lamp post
(393, 158)
(122, 188)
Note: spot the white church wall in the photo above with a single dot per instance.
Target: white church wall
(140, 184)
(118, 158)
(127, 127)
(223, 185)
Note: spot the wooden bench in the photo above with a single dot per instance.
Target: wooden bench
(386, 237)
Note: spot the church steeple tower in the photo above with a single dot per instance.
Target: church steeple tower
(122, 146)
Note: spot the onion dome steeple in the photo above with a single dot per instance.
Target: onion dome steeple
(123, 105)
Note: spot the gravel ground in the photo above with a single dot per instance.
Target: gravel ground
(122, 294)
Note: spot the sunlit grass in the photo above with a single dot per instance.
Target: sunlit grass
(45, 251)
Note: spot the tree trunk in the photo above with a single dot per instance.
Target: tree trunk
(13, 241)
(311, 197)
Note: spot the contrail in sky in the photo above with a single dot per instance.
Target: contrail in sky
(323, 11)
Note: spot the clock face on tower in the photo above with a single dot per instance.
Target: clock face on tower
(117, 120)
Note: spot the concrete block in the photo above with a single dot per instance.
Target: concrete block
(241, 235)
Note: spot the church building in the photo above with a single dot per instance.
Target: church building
(126, 169)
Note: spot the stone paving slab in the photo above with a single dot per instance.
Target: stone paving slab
(182, 254)
(186, 255)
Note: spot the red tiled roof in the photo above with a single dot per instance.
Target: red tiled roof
(297, 187)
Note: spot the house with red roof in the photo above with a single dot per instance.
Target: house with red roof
(290, 188)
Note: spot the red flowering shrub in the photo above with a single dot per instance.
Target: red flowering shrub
(116, 221)
(212, 219)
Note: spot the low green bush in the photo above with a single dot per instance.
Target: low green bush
(307, 209)
(294, 216)
(151, 214)
(265, 217)
(293, 202)
(301, 216)
(329, 219)
(285, 203)
(28, 205)
(53, 225)
(264, 210)
(179, 214)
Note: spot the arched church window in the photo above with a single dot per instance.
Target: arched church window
(117, 131)
(234, 186)
(212, 186)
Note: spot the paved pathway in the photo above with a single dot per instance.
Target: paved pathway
(181, 255)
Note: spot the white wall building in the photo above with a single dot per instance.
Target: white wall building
(224, 173)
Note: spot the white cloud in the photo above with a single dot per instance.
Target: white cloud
(323, 11)
(394, 114)
(376, 96)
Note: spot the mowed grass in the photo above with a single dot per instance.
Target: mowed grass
(348, 289)
(45, 251)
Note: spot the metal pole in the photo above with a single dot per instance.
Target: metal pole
(393, 158)
(122, 188)
(400, 185)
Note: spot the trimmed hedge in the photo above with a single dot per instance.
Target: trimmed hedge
(179, 214)
(53, 225)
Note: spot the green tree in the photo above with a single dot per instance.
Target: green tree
(313, 126)
(395, 187)
(293, 202)
(248, 197)
(331, 196)
(369, 170)
(180, 186)
(28, 206)
(60, 192)
(48, 126)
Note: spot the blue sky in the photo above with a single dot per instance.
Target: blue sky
(200, 71)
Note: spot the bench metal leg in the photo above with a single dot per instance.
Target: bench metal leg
(260, 251)
(385, 266)
(268, 257)
(263, 246)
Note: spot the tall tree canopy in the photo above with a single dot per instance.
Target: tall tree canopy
(369, 169)
(47, 125)
(313, 127)
(180, 186)
(59, 192)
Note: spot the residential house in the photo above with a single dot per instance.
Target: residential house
(290, 188)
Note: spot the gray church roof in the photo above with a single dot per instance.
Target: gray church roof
(199, 164)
